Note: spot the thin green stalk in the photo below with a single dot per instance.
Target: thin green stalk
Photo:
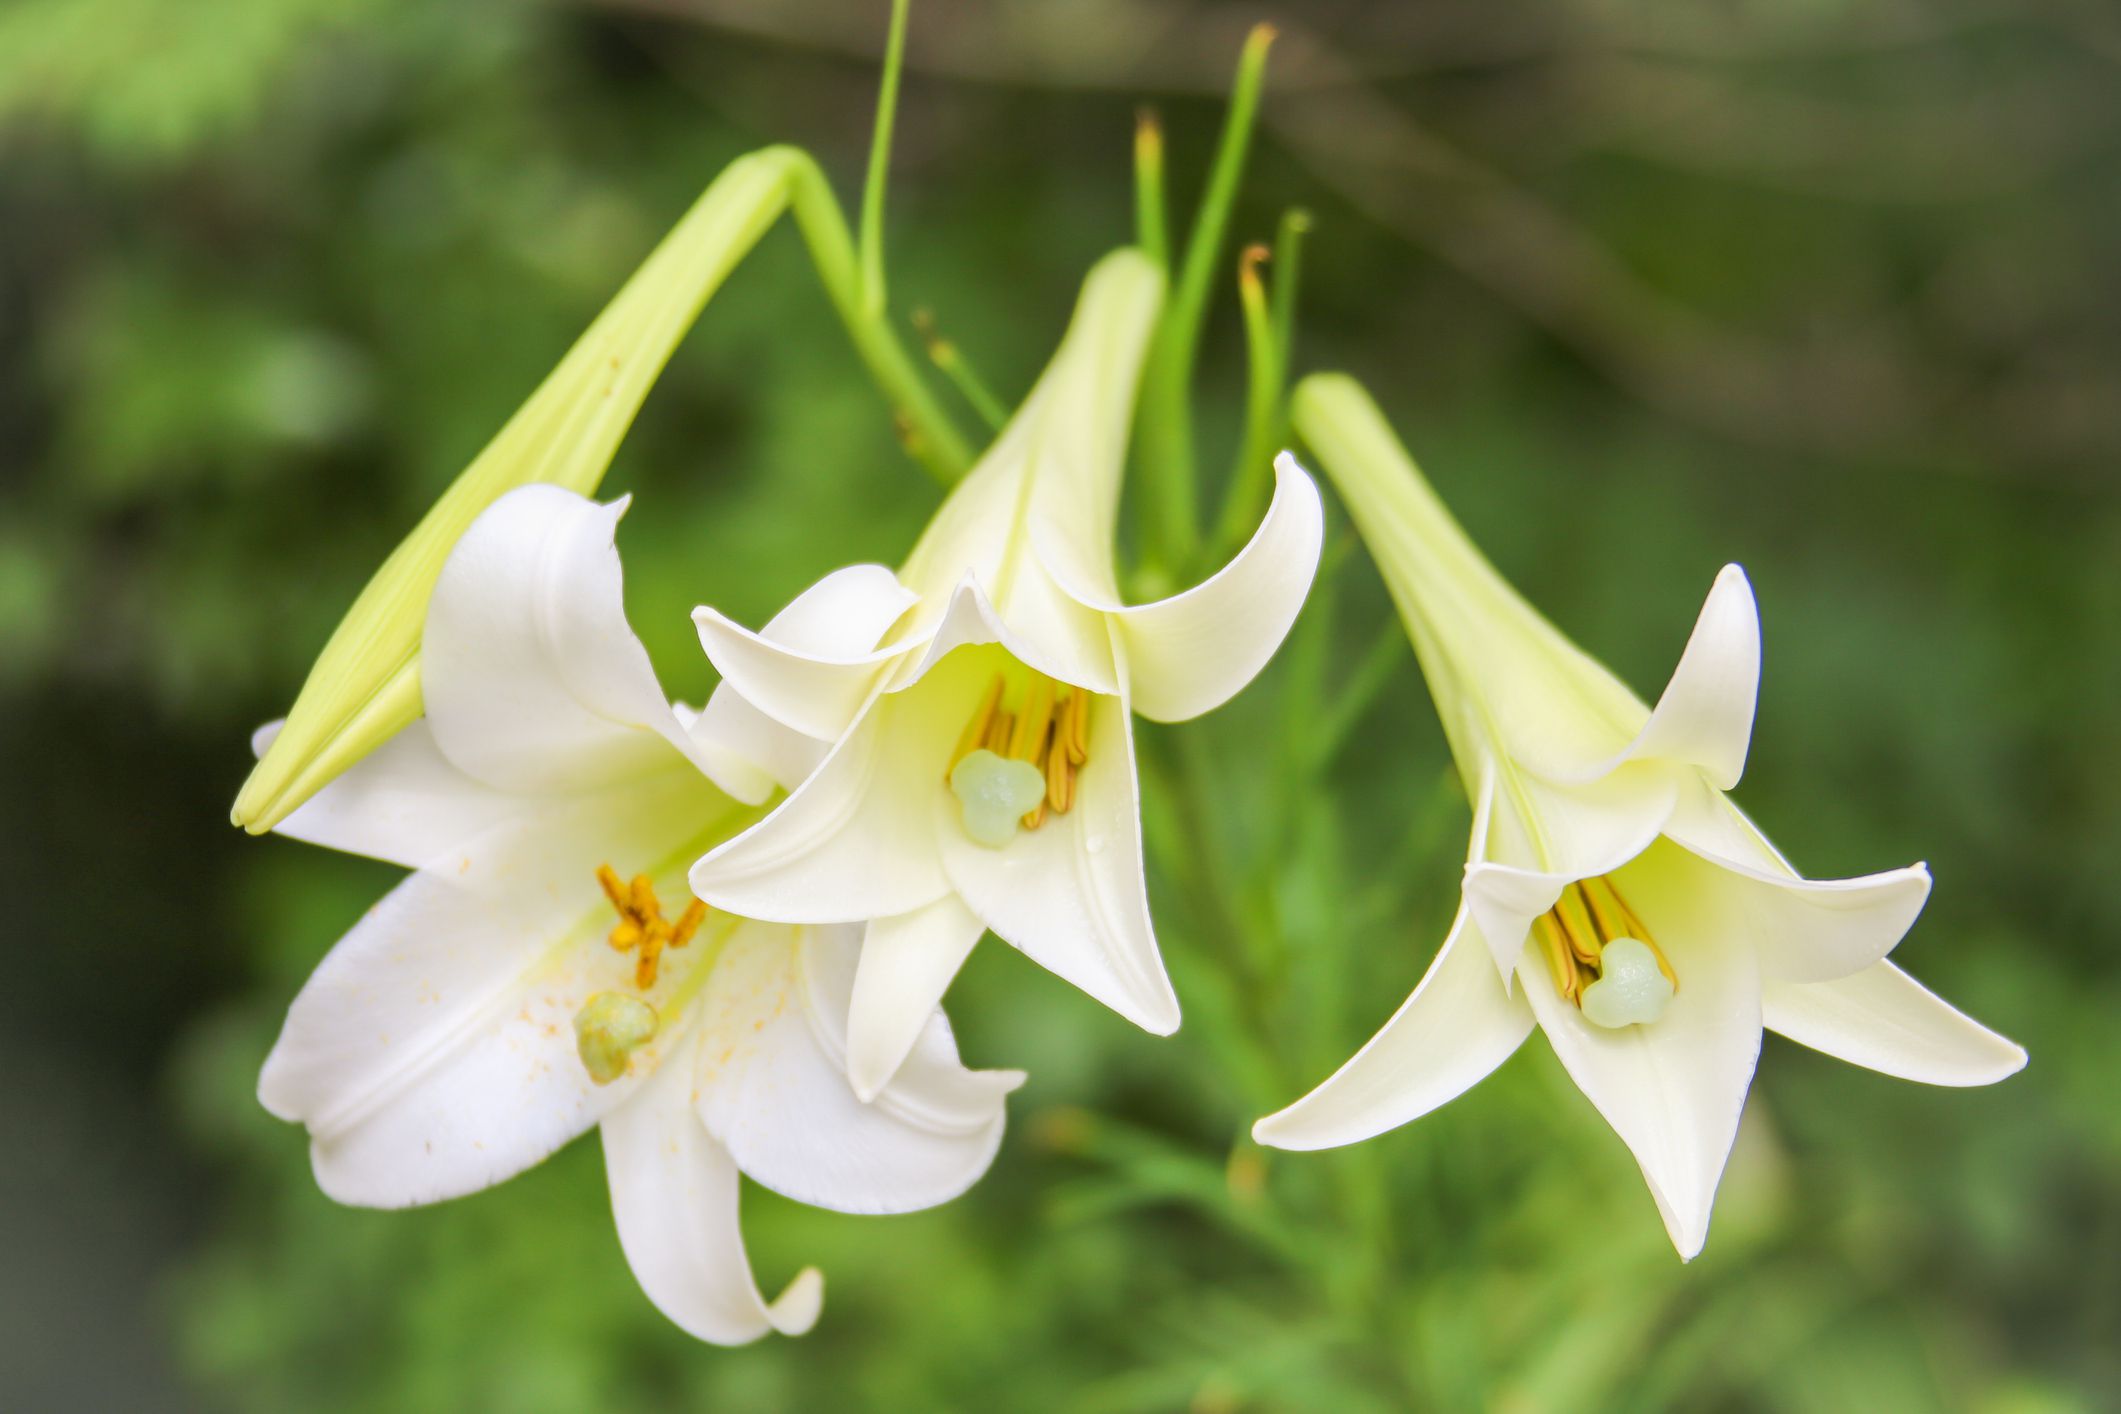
(1166, 423)
(1358, 693)
(950, 359)
(872, 254)
(1288, 270)
(927, 431)
(1149, 227)
(1263, 409)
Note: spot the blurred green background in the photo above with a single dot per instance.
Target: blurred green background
(1829, 288)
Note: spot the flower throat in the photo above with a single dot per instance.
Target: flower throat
(1013, 766)
(1603, 957)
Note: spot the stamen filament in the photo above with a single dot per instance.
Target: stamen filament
(974, 735)
(1028, 741)
(1638, 929)
(999, 731)
(1560, 958)
(1581, 936)
(1078, 727)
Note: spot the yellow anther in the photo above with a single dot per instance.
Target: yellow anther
(642, 925)
(1050, 730)
(688, 923)
(1589, 917)
(613, 889)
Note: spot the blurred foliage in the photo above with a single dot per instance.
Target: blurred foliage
(1829, 289)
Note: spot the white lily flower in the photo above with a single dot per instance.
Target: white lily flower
(515, 990)
(976, 770)
(1664, 930)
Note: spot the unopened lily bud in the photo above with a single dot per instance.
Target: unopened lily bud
(365, 685)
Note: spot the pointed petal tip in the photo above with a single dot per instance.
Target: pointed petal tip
(1280, 1131)
(800, 1303)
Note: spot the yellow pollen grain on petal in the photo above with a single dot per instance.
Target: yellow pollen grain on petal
(626, 936)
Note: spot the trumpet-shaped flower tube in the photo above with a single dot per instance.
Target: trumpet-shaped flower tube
(366, 684)
(972, 766)
(1614, 896)
(543, 969)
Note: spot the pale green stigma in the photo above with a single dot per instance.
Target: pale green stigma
(1631, 989)
(608, 1029)
(996, 793)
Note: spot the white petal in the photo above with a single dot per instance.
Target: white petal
(1884, 1020)
(1071, 895)
(1705, 717)
(403, 802)
(1457, 1027)
(773, 1084)
(1192, 652)
(906, 965)
(531, 678)
(857, 839)
(432, 1053)
(1075, 647)
(1804, 930)
(1672, 1090)
(1081, 446)
(1054, 472)
(813, 665)
(674, 1195)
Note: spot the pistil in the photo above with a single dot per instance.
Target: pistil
(1048, 733)
(1603, 958)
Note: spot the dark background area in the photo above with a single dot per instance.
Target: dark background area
(1828, 289)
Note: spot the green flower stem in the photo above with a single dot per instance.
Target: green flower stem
(950, 360)
(1264, 417)
(872, 248)
(1151, 233)
(1165, 435)
(1288, 272)
(930, 437)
